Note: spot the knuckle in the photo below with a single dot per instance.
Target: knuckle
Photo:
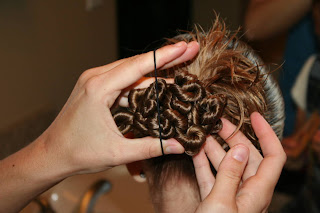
(200, 165)
(85, 76)
(160, 60)
(233, 175)
(139, 61)
(150, 150)
(205, 184)
(91, 85)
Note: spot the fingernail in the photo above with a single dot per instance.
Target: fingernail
(179, 44)
(190, 44)
(174, 150)
(240, 153)
(173, 147)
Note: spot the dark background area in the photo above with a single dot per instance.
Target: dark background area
(143, 25)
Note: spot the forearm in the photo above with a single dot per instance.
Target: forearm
(26, 174)
(84, 137)
(267, 18)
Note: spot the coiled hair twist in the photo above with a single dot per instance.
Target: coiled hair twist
(189, 112)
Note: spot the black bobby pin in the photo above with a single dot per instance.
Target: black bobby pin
(157, 94)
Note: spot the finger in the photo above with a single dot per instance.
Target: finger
(255, 157)
(123, 101)
(143, 83)
(230, 174)
(214, 152)
(204, 174)
(274, 155)
(148, 147)
(85, 76)
(107, 67)
(132, 70)
(192, 50)
(190, 53)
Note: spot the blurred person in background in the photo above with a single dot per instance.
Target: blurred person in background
(299, 21)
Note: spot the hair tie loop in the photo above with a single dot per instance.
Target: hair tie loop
(157, 95)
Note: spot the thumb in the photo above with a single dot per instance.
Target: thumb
(148, 147)
(230, 174)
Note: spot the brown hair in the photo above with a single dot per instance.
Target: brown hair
(227, 79)
(189, 112)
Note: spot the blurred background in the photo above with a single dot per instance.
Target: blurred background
(46, 45)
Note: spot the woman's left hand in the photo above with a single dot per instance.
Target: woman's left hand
(84, 137)
(85, 133)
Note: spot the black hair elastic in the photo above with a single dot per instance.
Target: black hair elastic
(157, 94)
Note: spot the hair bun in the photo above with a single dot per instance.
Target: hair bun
(124, 120)
(192, 139)
(189, 112)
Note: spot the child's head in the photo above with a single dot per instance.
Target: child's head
(226, 79)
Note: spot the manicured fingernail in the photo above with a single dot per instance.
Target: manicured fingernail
(179, 44)
(240, 153)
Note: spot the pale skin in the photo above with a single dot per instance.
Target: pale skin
(269, 18)
(84, 138)
(245, 180)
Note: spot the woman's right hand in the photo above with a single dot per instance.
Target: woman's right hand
(245, 180)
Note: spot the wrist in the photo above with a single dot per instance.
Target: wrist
(61, 153)
(52, 159)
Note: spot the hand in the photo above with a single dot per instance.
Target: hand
(245, 180)
(85, 136)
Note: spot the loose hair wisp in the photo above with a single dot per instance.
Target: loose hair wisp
(226, 79)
